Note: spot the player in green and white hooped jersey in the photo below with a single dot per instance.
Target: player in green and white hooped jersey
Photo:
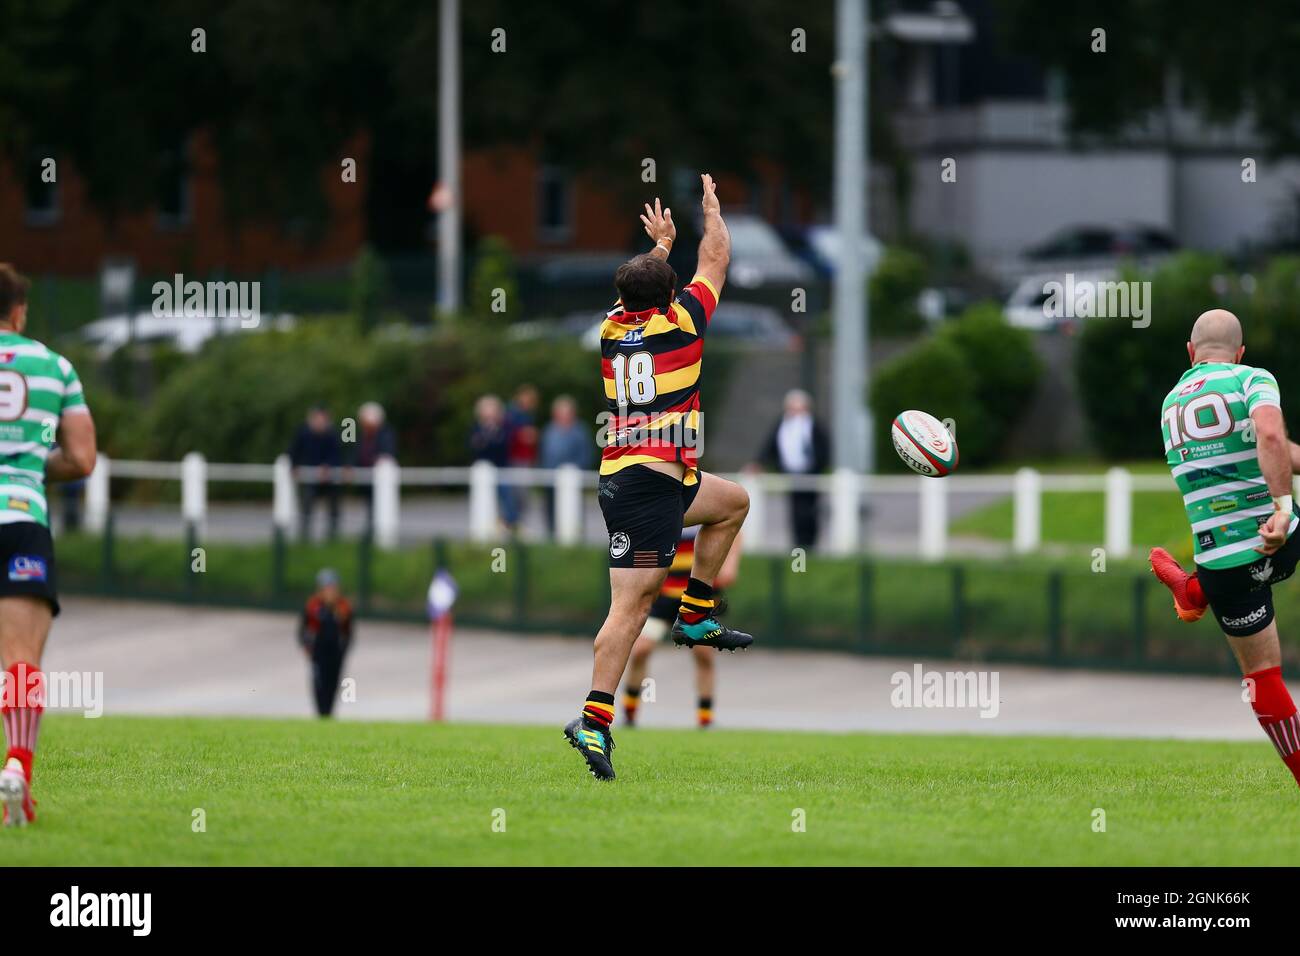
(41, 401)
(1226, 444)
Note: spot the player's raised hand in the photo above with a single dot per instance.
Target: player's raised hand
(710, 201)
(1273, 531)
(659, 223)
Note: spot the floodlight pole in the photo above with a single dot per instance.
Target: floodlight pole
(851, 423)
(449, 155)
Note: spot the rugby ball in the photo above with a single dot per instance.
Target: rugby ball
(924, 444)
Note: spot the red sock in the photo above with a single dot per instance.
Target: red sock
(21, 706)
(1194, 592)
(1277, 715)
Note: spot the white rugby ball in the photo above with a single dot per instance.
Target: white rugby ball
(924, 444)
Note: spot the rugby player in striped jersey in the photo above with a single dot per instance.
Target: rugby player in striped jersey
(650, 487)
(40, 400)
(1226, 444)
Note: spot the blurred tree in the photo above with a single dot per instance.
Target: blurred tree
(892, 291)
(1225, 61)
(281, 88)
(493, 287)
(369, 286)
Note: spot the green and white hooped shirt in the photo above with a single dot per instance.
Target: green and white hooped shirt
(37, 387)
(1210, 448)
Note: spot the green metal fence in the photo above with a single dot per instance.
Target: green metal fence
(1058, 615)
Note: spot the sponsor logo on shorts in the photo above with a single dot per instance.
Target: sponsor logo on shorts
(1264, 571)
(619, 543)
(26, 567)
(1254, 617)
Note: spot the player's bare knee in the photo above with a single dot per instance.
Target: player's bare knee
(742, 503)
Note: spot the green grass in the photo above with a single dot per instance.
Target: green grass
(1079, 518)
(120, 790)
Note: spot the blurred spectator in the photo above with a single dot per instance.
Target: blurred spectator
(521, 424)
(521, 419)
(798, 446)
(564, 442)
(489, 440)
(72, 504)
(316, 455)
(325, 633)
(375, 440)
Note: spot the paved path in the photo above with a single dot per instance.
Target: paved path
(891, 526)
(169, 659)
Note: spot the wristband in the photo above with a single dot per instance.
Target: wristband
(660, 242)
(1282, 503)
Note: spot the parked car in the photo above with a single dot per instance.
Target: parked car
(759, 257)
(185, 333)
(819, 246)
(1028, 307)
(1088, 248)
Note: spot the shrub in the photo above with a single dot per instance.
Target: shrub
(893, 290)
(369, 286)
(977, 371)
(494, 269)
(242, 397)
(1124, 373)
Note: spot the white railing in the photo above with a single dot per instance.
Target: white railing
(846, 493)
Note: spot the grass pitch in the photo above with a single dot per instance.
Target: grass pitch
(123, 790)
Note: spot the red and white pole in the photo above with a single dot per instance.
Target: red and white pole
(441, 651)
(442, 595)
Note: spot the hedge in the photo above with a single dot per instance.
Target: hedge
(976, 370)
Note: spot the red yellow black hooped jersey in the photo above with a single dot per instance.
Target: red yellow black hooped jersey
(651, 362)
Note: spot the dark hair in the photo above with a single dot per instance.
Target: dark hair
(13, 289)
(645, 282)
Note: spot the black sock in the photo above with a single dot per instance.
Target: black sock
(599, 707)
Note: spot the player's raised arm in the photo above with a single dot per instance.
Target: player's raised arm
(715, 244)
(1274, 453)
